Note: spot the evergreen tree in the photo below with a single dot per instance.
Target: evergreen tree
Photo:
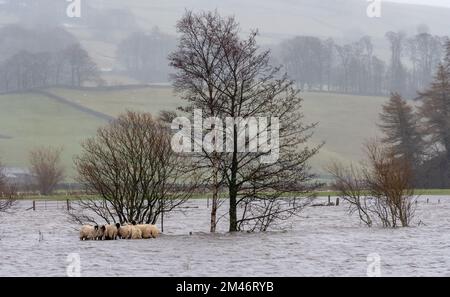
(400, 125)
(435, 111)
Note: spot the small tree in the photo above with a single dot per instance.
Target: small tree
(350, 184)
(6, 192)
(380, 189)
(390, 183)
(131, 166)
(46, 167)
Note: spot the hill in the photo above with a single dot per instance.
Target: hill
(43, 118)
(342, 20)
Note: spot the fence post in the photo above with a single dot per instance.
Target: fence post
(34, 205)
(329, 200)
(68, 205)
(337, 201)
(162, 222)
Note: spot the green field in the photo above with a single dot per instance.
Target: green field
(64, 197)
(29, 119)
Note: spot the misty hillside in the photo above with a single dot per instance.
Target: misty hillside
(344, 20)
(340, 19)
(64, 117)
(36, 50)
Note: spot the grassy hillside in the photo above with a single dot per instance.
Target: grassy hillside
(29, 119)
(331, 18)
(342, 20)
(115, 101)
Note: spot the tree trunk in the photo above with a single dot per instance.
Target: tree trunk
(232, 212)
(215, 198)
(233, 191)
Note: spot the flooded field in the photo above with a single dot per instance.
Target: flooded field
(324, 241)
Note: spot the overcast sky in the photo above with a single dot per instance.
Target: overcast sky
(425, 2)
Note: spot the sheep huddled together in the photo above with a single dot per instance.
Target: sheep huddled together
(114, 231)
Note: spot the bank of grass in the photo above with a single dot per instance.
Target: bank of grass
(32, 119)
(64, 197)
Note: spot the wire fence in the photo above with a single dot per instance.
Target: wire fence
(50, 205)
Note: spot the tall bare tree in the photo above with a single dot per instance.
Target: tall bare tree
(397, 69)
(200, 34)
(130, 164)
(46, 167)
(247, 86)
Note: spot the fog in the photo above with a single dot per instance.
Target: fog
(443, 3)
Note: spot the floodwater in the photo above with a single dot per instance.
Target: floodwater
(324, 241)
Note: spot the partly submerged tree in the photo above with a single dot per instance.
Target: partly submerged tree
(131, 166)
(230, 78)
(380, 190)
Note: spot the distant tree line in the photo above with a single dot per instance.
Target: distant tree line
(315, 64)
(30, 62)
(323, 65)
(143, 56)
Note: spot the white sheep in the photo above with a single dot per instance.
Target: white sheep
(148, 230)
(101, 232)
(136, 233)
(124, 231)
(88, 232)
(111, 231)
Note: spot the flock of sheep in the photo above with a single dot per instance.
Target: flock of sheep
(114, 231)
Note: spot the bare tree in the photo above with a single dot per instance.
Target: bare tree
(6, 192)
(380, 189)
(46, 167)
(349, 182)
(244, 85)
(144, 55)
(81, 67)
(130, 165)
(397, 69)
(390, 180)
